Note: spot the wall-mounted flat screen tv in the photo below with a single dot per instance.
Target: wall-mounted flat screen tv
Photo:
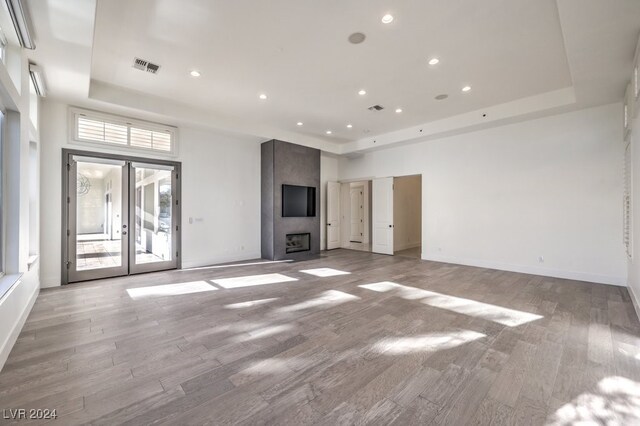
(298, 201)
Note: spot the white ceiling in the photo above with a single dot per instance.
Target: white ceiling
(509, 51)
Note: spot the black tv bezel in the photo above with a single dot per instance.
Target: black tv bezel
(315, 195)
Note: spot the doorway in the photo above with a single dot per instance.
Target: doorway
(349, 215)
(104, 196)
(407, 216)
(397, 216)
(356, 215)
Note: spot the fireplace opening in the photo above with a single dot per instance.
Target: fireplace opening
(298, 242)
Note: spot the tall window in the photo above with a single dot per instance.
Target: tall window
(2, 245)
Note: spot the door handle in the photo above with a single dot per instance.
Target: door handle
(124, 232)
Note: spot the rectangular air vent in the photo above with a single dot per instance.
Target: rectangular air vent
(375, 108)
(144, 65)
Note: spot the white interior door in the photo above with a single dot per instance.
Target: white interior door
(382, 216)
(333, 215)
(357, 214)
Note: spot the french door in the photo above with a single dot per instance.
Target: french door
(121, 216)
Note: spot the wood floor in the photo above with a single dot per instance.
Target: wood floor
(347, 338)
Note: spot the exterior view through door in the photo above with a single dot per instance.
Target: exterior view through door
(120, 216)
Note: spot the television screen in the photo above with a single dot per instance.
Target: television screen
(298, 201)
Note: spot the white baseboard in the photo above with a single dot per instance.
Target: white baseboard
(6, 347)
(407, 246)
(634, 300)
(50, 282)
(533, 270)
(220, 259)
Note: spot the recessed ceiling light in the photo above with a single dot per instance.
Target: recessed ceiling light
(387, 19)
(263, 96)
(349, 126)
(466, 88)
(398, 110)
(195, 73)
(299, 123)
(328, 132)
(362, 92)
(441, 97)
(434, 61)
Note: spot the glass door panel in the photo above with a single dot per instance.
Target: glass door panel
(98, 214)
(154, 244)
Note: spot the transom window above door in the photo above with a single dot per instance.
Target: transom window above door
(122, 133)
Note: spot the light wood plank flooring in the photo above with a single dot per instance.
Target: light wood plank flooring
(346, 338)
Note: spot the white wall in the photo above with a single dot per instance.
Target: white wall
(634, 263)
(328, 172)
(407, 212)
(502, 197)
(220, 192)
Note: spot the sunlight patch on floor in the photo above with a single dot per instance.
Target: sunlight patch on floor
(430, 342)
(616, 400)
(170, 289)
(325, 272)
(499, 314)
(259, 333)
(250, 303)
(258, 369)
(328, 298)
(251, 280)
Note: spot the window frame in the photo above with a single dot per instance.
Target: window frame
(75, 113)
(3, 263)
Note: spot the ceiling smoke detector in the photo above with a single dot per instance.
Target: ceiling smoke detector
(144, 65)
(376, 108)
(357, 38)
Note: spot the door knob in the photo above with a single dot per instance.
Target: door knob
(124, 232)
(124, 226)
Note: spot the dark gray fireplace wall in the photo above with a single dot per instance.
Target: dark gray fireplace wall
(287, 163)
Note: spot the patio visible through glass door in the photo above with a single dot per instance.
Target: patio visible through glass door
(154, 216)
(98, 214)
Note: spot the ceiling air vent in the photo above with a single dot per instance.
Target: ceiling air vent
(144, 65)
(375, 108)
